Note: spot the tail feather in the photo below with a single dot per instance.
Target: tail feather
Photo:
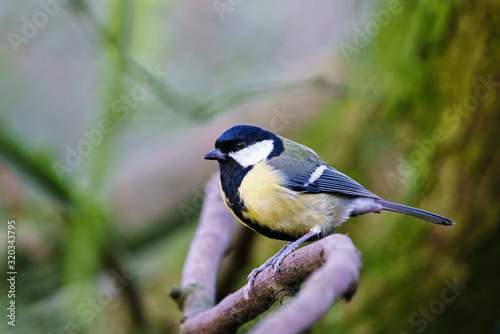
(408, 210)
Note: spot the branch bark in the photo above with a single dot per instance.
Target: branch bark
(337, 278)
(210, 243)
(332, 265)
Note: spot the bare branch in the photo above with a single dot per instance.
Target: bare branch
(236, 262)
(337, 278)
(209, 244)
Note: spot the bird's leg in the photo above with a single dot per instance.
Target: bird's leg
(276, 260)
(256, 271)
(290, 247)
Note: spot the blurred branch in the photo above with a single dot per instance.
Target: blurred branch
(231, 268)
(263, 90)
(165, 94)
(178, 102)
(120, 27)
(334, 260)
(37, 168)
(131, 294)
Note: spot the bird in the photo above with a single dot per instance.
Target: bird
(283, 190)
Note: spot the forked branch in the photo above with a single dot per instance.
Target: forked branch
(329, 267)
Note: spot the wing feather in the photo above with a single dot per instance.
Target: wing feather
(297, 163)
(333, 181)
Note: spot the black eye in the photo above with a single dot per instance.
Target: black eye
(240, 145)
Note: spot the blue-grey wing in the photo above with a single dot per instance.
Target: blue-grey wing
(305, 172)
(329, 181)
(333, 181)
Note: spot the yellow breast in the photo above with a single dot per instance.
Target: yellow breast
(274, 206)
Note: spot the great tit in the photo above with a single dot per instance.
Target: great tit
(284, 190)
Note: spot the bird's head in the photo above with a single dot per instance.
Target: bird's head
(246, 145)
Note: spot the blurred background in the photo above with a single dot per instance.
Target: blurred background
(108, 106)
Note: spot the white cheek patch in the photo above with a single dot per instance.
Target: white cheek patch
(253, 154)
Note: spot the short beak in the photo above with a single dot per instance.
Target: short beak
(215, 155)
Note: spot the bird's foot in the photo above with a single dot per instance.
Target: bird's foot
(278, 258)
(269, 262)
(254, 273)
(251, 278)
